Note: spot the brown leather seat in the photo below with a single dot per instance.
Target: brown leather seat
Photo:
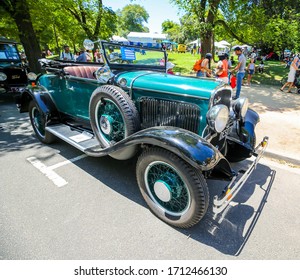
(82, 71)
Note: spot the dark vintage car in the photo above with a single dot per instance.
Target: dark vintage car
(13, 72)
(184, 129)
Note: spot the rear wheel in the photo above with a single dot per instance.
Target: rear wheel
(38, 120)
(174, 191)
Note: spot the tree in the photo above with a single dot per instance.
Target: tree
(18, 10)
(205, 12)
(174, 31)
(131, 19)
(90, 16)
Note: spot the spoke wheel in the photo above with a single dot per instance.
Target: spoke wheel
(37, 119)
(173, 190)
(113, 117)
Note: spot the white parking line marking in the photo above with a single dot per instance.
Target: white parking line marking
(66, 162)
(54, 177)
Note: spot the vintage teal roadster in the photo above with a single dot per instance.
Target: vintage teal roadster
(184, 129)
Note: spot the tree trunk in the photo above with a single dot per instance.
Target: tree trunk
(27, 35)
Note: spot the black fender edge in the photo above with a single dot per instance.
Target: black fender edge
(187, 145)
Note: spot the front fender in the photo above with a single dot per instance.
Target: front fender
(187, 145)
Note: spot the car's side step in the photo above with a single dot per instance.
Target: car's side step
(80, 140)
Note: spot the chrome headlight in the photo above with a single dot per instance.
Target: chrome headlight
(31, 76)
(217, 117)
(3, 77)
(240, 107)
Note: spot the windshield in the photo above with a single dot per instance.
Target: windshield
(9, 52)
(134, 55)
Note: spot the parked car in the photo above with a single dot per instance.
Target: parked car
(13, 73)
(181, 48)
(184, 129)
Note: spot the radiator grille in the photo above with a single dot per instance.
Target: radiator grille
(157, 112)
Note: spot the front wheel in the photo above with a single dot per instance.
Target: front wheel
(175, 192)
(37, 119)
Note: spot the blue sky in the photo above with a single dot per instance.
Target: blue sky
(158, 10)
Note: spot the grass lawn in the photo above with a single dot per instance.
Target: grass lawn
(273, 73)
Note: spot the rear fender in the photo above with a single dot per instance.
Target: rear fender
(42, 98)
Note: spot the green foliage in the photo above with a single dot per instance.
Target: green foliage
(174, 30)
(131, 19)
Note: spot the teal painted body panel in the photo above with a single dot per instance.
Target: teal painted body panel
(72, 95)
(197, 87)
(174, 88)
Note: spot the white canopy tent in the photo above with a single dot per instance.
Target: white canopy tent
(119, 39)
(224, 43)
(144, 37)
(220, 46)
(197, 42)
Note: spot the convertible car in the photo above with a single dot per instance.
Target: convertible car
(184, 129)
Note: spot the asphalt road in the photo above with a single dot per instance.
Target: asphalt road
(95, 210)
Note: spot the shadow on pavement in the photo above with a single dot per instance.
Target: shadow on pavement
(228, 232)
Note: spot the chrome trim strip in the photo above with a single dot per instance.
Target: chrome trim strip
(171, 93)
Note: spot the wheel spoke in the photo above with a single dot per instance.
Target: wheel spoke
(162, 172)
(117, 131)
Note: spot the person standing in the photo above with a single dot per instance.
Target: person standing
(82, 56)
(66, 54)
(251, 70)
(292, 74)
(240, 68)
(222, 67)
(202, 66)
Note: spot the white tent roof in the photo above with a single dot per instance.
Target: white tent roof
(158, 36)
(197, 41)
(224, 43)
(220, 46)
(119, 39)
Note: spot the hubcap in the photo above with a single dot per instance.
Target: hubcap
(166, 188)
(106, 124)
(162, 191)
(110, 121)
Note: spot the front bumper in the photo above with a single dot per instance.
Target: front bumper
(231, 190)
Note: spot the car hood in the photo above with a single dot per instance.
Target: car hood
(160, 82)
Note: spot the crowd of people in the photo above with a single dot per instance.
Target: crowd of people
(225, 70)
(82, 56)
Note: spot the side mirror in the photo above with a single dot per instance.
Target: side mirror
(88, 44)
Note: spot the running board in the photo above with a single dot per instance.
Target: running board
(81, 140)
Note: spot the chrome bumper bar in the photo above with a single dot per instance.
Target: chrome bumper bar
(231, 190)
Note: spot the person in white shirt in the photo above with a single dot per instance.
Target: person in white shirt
(66, 54)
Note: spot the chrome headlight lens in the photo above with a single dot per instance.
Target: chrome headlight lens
(3, 77)
(240, 107)
(31, 76)
(217, 117)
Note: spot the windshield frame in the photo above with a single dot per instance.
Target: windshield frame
(134, 66)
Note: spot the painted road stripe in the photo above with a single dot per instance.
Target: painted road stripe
(54, 177)
(67, 162)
